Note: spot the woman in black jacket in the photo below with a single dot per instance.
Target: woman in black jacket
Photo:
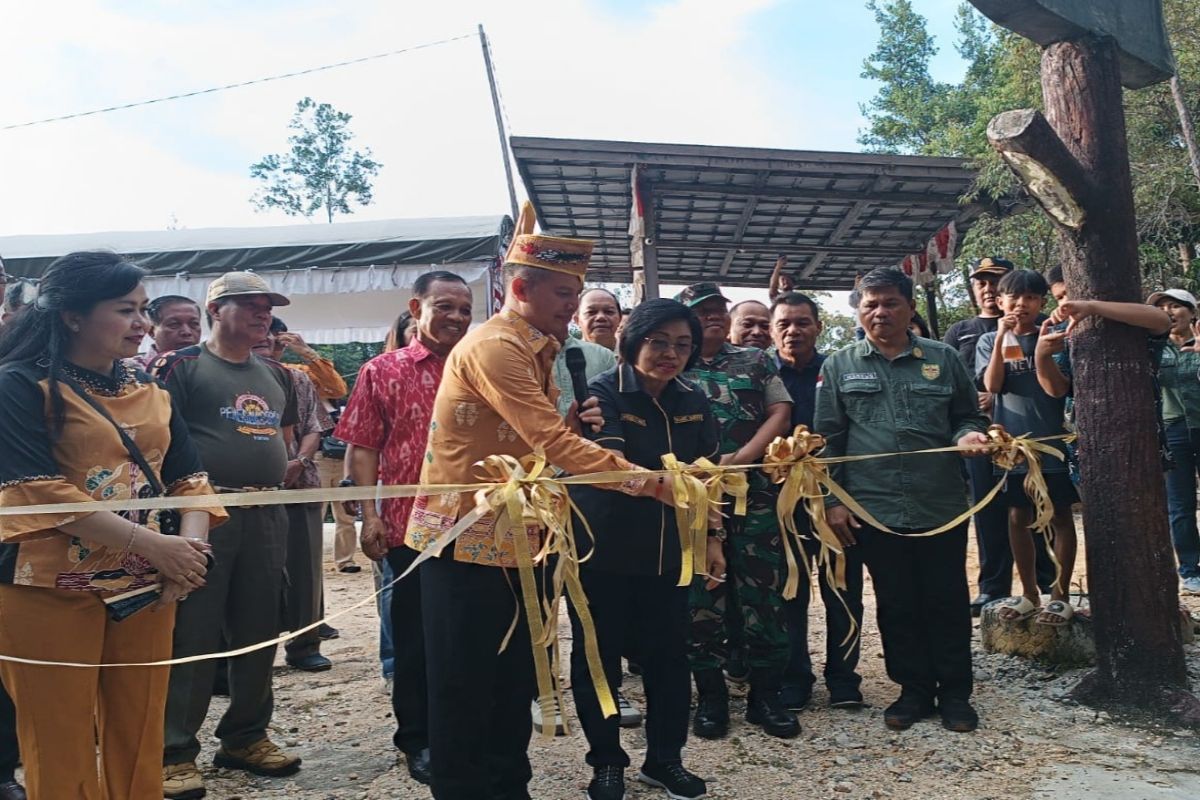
(630, 578)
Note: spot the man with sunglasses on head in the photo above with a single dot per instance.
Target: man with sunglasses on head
(752, 407)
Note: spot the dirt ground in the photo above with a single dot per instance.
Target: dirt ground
(1032, 742)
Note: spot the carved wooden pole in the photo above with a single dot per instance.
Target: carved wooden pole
(1075, 162)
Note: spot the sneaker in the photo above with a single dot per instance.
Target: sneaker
(630, 715)
(845, 698)
(957, 715)
(608, 783)
(261, 758)
(907, 711)
(1191, 585)
(540, 725)
(679, 783)
(183, 782)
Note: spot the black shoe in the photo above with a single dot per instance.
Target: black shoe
(764, 709)
(608, 783)
(736, 668)
(795, 698)
(957, 715)
(979, 602)
(418, 766)
(679, 783)
(326, 632)
(11, 790)
(712, 705)
(350, 568)
(310, 663)
(907, 711)
(845, 699)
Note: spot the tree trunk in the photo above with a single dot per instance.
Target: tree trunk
(1130, 561)
(1185, 124)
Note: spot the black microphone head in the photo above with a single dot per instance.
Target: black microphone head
(576, 362)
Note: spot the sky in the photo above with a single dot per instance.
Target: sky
(770, 73)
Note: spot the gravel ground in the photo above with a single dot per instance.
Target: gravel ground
(1032, 743)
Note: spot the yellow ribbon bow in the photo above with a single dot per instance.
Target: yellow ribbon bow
(792, 461)
(522, 497)
(1010, 451)
(721, 482)
(691, 518)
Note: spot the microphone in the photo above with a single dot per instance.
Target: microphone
(577, 366)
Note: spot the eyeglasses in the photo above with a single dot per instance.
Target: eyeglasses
(660, 346)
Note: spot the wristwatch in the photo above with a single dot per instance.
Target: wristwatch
(718, 533)
(345, 482)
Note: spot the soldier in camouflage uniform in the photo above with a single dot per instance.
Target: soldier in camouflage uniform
(752, 407)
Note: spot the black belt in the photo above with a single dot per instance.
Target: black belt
(235, 490)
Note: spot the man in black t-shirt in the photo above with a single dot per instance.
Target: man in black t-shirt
(991, 522)
(239, 409)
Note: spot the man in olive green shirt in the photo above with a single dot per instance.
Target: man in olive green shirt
(893, 392)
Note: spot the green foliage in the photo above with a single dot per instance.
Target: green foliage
(321, 171)
(905, 112)
(837, 319)
(911, 113)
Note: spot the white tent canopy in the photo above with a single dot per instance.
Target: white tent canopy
(347, 281)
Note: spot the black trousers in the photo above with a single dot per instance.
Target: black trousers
(654, 611)
(410, 701)
(923, 609)
(840, 665)
(479, 696)
(10, 754)
(991, 535)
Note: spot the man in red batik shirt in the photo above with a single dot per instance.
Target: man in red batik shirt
(387, 421)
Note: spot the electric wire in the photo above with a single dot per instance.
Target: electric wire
(238, 85)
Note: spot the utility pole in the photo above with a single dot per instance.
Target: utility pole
(491, 76)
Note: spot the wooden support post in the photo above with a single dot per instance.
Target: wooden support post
(650, 253)
(932, 310)
(1076, 163)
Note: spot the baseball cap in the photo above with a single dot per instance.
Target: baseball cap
(1182, 295)
(697, 293)
(234, 284)
(991, 266)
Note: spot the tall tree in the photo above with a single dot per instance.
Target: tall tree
(904, 113)
(1074, 161)
(320, 171)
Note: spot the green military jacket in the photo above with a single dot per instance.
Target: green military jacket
(921, 399)
(1179, 376)
(740, 382)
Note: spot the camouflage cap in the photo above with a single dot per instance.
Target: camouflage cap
(697, 293)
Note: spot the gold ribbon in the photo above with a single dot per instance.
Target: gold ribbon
(521, 495)
(792, 461)
(691, 518)
(1010, 452)
(722, 483)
